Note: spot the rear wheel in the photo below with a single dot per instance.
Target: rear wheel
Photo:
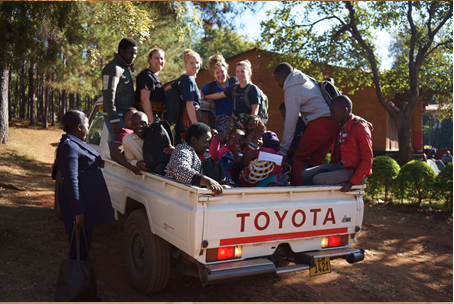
(147, 255)
(58, 182)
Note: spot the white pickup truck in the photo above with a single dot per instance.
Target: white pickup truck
(244, 232)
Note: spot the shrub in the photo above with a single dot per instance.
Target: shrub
(327, 158)
(384, 170)
(415, 180)
(443, 186)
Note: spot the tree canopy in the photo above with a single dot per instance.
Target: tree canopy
(226, 42)
(342, 34)
(66, 44)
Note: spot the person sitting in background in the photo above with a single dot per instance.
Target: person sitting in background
(299, 131)
(269, 138)
(447, 158)
(133, 143)
(352, 157)
(219, 67)
(117, 152)
(431, 154)
(185, 164)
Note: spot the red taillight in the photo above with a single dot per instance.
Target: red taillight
(226, 253)
(334, 241)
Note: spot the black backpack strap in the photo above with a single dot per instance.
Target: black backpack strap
(211, 87)
(234, 94)
(246, 97)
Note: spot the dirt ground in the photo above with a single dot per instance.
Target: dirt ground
(408, 255)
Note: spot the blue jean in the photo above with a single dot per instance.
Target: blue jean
(109, 127)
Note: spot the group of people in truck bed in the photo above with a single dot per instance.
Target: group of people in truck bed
(239, 145)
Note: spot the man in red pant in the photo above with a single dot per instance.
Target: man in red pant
(351, 160)
(302, 95)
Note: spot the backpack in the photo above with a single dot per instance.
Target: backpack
(173, 104)
(214, 170)
(157, 137)
(263, 109)
(329, 90)
(212, 84)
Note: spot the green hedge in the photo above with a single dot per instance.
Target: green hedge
(384, 171)
(415, 180)
(443, 186)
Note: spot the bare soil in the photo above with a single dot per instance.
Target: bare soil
(408, 253)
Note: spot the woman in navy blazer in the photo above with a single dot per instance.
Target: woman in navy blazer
(83, 195)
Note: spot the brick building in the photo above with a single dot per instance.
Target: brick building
(365, 103)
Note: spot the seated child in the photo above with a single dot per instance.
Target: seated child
(226, 155)
(270, 139)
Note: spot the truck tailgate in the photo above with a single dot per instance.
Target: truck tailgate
(281, 215)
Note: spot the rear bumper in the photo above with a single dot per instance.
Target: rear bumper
(217, 273)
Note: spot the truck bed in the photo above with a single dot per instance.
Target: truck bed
(259, 219)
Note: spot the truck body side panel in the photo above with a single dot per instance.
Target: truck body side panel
(171, 210)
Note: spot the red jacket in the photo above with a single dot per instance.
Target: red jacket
(356, 149)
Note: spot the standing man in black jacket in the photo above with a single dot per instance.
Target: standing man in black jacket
(117, 86)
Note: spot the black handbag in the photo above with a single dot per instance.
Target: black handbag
(76, 279)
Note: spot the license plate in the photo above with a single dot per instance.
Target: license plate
(322, 266)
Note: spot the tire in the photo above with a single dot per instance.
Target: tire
(147, 255)
(57, 210)
(281, 263)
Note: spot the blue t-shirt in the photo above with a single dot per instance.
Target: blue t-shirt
(189, 90)
(224, 105)
(253, 94)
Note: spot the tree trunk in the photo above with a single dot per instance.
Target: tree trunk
(10, 94)
(72, 105)
(31, 92)
(23, 102)
(52, 103)
(63, 105)
(78, 102)
(46, 105)
(58, 104)
(403, 126)
(16, 97)
(40, 85)
(3, 105)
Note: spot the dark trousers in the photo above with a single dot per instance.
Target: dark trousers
(84, 250)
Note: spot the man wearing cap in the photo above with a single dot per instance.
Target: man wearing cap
(351, 160)
(117, 86)
(302, 95)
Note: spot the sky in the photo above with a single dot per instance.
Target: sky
(251, 29)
